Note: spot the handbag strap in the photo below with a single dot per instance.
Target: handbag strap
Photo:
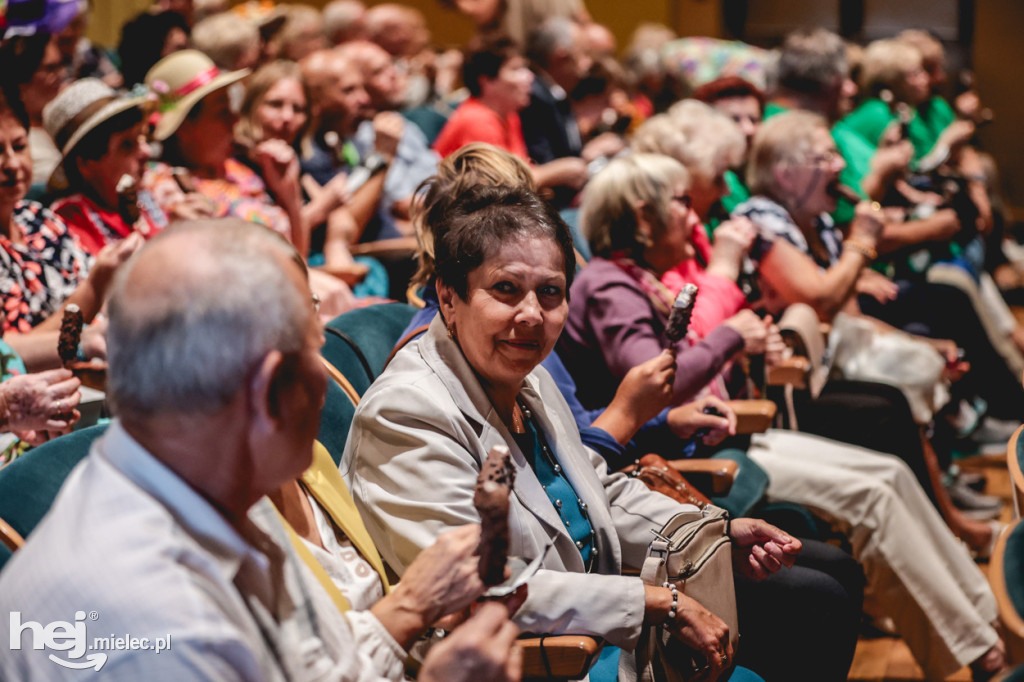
(655, 569)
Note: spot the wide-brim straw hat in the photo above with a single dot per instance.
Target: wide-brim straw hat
(179, 81)
(75, 112)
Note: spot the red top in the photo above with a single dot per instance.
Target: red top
(95, 226)
(473, 121)
(718, 300)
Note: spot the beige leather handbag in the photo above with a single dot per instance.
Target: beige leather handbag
(694, 552)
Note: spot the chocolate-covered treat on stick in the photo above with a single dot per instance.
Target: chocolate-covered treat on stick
(70, 334)
(491, 498)
(128, 200)
(682, 310)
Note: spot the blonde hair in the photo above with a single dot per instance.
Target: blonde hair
(247, 131)
(476, 163)
(697, 135)
(931, 49)
(886, 64)
(226, 38)
(782, 138)
(614, 198)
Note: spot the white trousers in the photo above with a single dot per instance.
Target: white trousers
(921, 575)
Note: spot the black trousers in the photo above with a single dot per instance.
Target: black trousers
(871, 415)
(944, 312)
(802, 623)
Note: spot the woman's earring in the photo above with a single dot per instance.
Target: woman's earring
(451, 331)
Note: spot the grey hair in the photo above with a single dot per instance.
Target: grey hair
(187, 345)
(696, 134)
(811, 61)
(615, 197)
(781, 139)
(554, 34)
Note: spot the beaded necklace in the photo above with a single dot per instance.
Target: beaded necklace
(587, 546)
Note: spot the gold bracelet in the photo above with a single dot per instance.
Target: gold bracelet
(863, 249)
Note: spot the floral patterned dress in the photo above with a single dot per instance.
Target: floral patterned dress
(241, 193)
(37, 275)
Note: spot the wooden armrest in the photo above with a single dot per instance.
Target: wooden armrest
(753, 416)
(10, 537)
(792, 370)
(714, 475)
(563, 657)
(388, 249)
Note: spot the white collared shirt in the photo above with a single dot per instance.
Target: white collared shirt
(139, 554)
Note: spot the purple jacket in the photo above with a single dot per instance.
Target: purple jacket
(613, 327)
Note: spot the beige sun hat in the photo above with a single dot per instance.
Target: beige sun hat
(76, 111)
(179, 81)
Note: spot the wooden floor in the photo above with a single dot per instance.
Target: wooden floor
(888, 658)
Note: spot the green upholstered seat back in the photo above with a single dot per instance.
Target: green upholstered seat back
(371, 331)
(29, 484)
(1013, 566)
(335, 420)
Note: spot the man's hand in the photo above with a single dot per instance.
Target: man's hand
(760, 549)
(482, 648)
(605, 144)
(388, 127)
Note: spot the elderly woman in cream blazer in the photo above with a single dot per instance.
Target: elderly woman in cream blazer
(471, 382)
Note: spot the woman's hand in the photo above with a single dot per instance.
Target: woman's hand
(892, 160)
(956, 134)
(94, 338)
(867, 224)
(443, 579)
(647, 388)
(644, 392)
(280, 166)
(43, 401)
(752, 328)
(482, 648)
(733, 240)
(704, 632)
(877, 285)
(760, 549)
(110, 258)
(686, 420)
(775, 348)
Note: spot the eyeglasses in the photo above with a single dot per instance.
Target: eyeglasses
(685, 200)
(828, 158)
